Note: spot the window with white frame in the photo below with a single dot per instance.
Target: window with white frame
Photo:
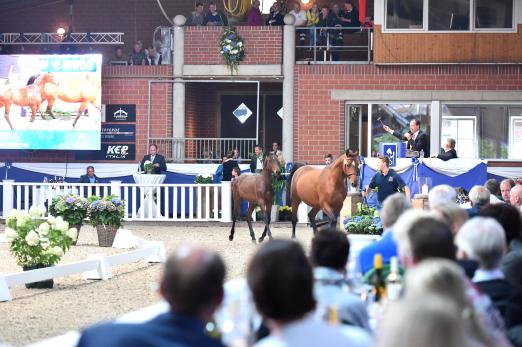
(449, 15)
(515, 133)
(462, 130)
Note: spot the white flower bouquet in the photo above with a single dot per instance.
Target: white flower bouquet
(36, 242)
(232, 48)
(148, 166)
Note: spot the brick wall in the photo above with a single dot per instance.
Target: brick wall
(319, 120)
(263, 45)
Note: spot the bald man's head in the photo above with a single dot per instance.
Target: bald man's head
(192, 281)
(515, 196)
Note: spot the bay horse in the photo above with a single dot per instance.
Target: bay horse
(84, 92)
(323, 189)
(258, 191)
(28, 95)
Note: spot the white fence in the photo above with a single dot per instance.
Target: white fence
(144, 202)
(99, 267)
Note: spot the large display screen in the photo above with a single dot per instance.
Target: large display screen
(50, 101)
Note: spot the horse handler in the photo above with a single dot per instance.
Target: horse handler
(387, 182)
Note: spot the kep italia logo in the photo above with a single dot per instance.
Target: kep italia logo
(117, 151)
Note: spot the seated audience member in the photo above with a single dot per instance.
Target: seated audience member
(119, 57)
(515, 196)
(505, 189)
(89, 177)
(392, 208)
(138, 56)
(281, 280)
(483, 239)
(493, 188)
(329, 256)
(408, 324)
(197, 17)
(192, 284)
(215, 17)
(276, 16)
(236, 155)
(479, 197)
(254, 16)
(228, 165)
(443, 278)
(350, 16)
(448, 152)
(328, 159)
(300, 15)
(154, 57)
(509, 217)
(441, 194)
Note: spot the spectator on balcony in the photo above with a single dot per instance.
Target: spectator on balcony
(138, 56)
(276, 17)
(218, 175)
(256, 160)
(197, 17)
(119, 57)
(215, 17)
(282, 7)
(154, 57)
(228, 166)
(278, 153)
(300, 15)
(236, 155)
(312, 21)
(350, 16)
(326, 20)
(254, 14)
(328, 159)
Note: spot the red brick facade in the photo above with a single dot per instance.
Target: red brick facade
(319, 120)
(263, 45)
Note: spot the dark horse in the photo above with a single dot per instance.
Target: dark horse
(258, 191)
(323, 189)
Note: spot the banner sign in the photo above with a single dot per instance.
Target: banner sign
(114, 132)
(109, 152)
(120, 113)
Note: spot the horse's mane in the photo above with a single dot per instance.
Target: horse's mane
(32, 79)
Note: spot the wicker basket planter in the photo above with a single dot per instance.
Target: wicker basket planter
(106, 234)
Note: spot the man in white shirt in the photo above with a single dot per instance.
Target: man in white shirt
(300, 15)
(282, 281)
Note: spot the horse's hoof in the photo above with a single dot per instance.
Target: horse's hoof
(270, 238)
(254, 241)
(31, 120)
(230, 237)
(261, 239)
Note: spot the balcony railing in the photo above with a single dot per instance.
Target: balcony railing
(203, 149)
(315, 45)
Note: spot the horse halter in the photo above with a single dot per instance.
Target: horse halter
(347, 163)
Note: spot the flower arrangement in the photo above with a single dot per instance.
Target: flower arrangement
(148, 166)
(365, 221)
(109, 210)
(204, 179)
(71, 208)
(285, 213)
(232, 48)
(36, 242)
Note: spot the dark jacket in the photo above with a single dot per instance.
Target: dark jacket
(451, 154)
(220, 19)
(506, 298)
(353, 16)
(253, 162)
(85, 179)
(158, 159)
(420, 142)
(166, 330)
(227, 169)
(275, 19)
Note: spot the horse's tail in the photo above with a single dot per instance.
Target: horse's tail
(32, 79)
(289, 182)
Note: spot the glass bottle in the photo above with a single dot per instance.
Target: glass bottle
(394, 280)
(378, 283)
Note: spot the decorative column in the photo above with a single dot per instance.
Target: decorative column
(178, 102)
(288, 87)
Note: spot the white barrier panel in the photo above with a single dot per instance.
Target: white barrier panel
(99, 267)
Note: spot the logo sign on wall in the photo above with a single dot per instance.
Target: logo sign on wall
(120, 113)
(116, 133)
(109, 152)
(391, 151)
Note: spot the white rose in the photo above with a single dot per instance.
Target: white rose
(56, 250)
(32, 238)
(72, 233)
(44, 228)
(10, 234)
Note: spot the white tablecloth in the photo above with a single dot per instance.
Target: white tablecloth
(149, 193)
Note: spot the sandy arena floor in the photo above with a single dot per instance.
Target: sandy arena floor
(36, 314)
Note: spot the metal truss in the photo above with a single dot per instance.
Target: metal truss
(65, 39)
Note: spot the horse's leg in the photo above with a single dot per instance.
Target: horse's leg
(42, 114)
(311, 216)
(295, 206)
(332, 218)
(82, 108)
(50, 104)
(6, 115)
(251, 207)
(234, 217)
(266, 218)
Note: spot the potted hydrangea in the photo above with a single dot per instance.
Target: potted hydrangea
(148, 167)
(365, 221)
(71, 208)
(37, 243)
(106, 215)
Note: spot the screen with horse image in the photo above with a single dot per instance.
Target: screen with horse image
(50, 102)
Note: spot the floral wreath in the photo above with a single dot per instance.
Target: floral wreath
(232, 48)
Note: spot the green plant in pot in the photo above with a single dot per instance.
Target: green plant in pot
(71, 208)
(38, 243)
(106, 215)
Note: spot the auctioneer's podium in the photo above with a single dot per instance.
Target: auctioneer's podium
(393, 150)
